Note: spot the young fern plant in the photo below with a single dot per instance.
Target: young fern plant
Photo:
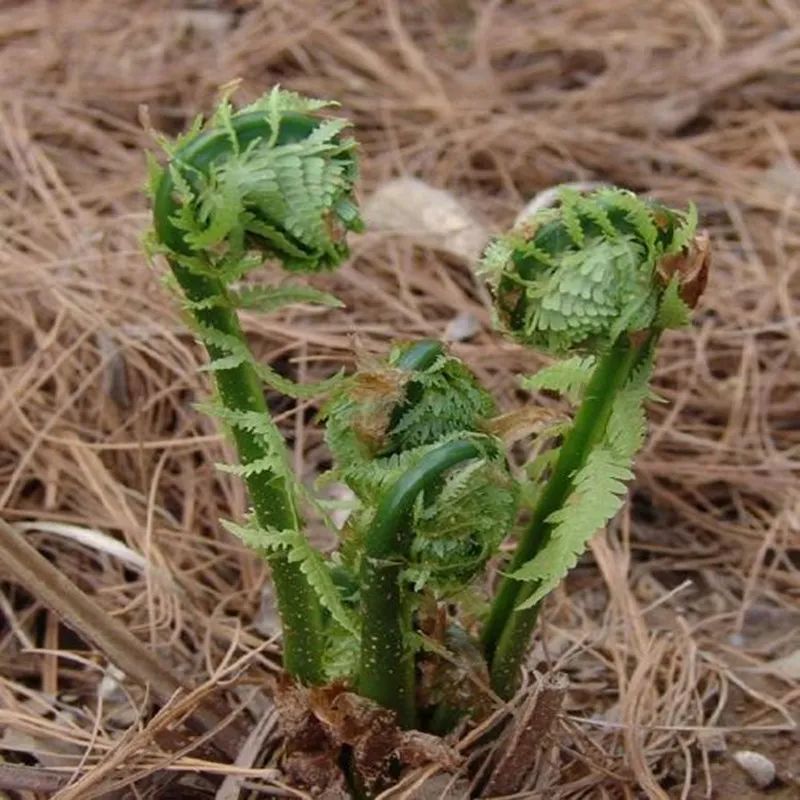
(594, 282)
(272, 181)
(436, 498)
(396, 612)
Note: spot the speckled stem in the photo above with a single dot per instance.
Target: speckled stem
(507, 633)
(386, 668)
(239, 389)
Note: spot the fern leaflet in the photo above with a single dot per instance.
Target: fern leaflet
(298, 550)
(271, 298)
(236, 353)
(684, 232)
(570, 205)
(598, 493)
(599, 490)
(673, 311)
(568, 377)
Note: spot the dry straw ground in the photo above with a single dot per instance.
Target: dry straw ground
(678, 632)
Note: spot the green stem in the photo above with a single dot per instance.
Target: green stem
(506, 636)
(420, 355)
(386, 669)
(239, 389)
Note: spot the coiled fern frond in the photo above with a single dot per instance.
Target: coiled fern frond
(576, 277)
(390, 407)
(598, 278)
(270, 180)
(383, 420)
(273, 180)
(409, 437)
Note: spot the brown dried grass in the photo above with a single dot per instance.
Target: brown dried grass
(666, 631)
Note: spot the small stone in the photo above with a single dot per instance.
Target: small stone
(462, 327)
(760, 769)
(430, 215)
(110, 687)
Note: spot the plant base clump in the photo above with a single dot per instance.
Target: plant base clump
(396, 630)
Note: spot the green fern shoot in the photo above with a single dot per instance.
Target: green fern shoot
(400, 612)
(435, 500)
(595, 280)
(271, 181)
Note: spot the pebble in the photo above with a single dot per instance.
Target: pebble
(760, 769)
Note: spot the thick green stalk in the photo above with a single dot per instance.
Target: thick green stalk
(386, 669)
(506, 635)
(240, 390)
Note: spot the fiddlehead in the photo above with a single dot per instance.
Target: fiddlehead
(577, 277)
(273, 180)
(600, 276)
(383, 419)
(436, 499)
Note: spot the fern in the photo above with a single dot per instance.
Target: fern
(297, 390)
(260, 466)
(577, 277)
(494, 262)
(570, 212)
(627, 424)
(288, 194)
(598, 493)
(639, 214)
(449, 400)
(568, 377)
(673, 311)
(297, 549)
(253, 422)
(458, 531)
(596, 214)
(279, 102)
(384, 426)
(235, 353)
(683, 233)
(269, 181)
(593, 280)
(370, 414)
(598, 277)
(271, 298)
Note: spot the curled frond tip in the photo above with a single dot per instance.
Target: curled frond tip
(274, 178)
(576, 277)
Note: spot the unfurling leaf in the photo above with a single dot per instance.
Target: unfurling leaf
(568, 377)
(575, 278)
(598, 492)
